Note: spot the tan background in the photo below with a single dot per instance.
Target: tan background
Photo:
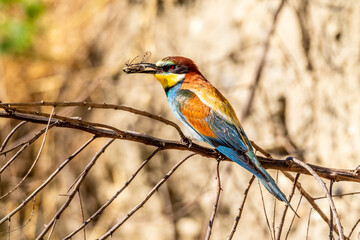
(310, 81)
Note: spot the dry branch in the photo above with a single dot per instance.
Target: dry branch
(262, 61)
(102, 130)
(216, 203)
(331, 202)
(99, 130)
(237, 219)
(71, 195)
(148, 196)
(103, 207)
(46, 182)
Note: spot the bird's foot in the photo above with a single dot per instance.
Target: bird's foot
(220, 156)
(187, 141)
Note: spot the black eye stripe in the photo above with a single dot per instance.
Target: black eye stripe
(168, 67)
(178, 69)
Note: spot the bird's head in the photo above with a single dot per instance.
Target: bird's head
(168, 71)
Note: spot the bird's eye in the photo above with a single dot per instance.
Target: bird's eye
(169, 67)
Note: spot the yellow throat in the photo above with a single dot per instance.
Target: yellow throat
(168, 80)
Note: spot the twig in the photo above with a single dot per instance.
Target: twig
(310, 200)
(262, 151)
(331, 213)
(261, 64)
(52, 229)
(50, 178)
(31, 215)
(274, 208)
(283, 165)
(30, 141)
(331, 202)
(10, 134)
(13, 158)
(265, 214)
(237, 219)
(338, 195)
(100, 106)
(75, 189)
(287, 207)
(212, 217)
(9, 227)
(353, 228)
(148, 196)
(308, 224)
(35, 161)
(82, 211)
(103, 207)
(293, 218)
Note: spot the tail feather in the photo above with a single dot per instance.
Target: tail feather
(271, 186)
(268, 182)
(253, 165)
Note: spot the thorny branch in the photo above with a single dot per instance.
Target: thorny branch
(103, 207)
(331, 202)
(148, 196)
(17, 111)
(106, 131)
(216, 203)
(237, 219)
(52, 223)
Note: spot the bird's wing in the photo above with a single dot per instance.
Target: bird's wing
(213, 127)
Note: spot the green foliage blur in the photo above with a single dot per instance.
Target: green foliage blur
(18, 25)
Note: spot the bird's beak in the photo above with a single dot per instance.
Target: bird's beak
(142, 68)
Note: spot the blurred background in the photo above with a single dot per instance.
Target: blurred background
(306, 105)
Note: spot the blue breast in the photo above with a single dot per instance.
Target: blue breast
(171, 94)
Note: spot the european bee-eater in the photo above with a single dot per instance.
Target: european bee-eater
(207, 113)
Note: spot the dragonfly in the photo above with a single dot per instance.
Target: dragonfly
(138, 63)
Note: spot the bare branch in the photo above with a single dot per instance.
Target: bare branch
(111, 132)
(90, 105)
(35, 161)
(237, 219)
(331, 202)
(353, 228)
(13, 158)
(148, 196)
(308, 224)
(30, 141)
(103, 207)
(216, 203)
(265, 214)
(310, 200)
(293, 218)
(287, 207)
(331, 212)
(52, 223)
(10, 134)
(33, 194)
(82, 211)
(28, 221)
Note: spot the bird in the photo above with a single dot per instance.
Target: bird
(207, 113)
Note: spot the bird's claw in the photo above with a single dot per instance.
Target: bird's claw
(220, 156)
(186, 141)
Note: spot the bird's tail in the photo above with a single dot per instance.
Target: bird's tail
(268, 182)
(252, 164)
